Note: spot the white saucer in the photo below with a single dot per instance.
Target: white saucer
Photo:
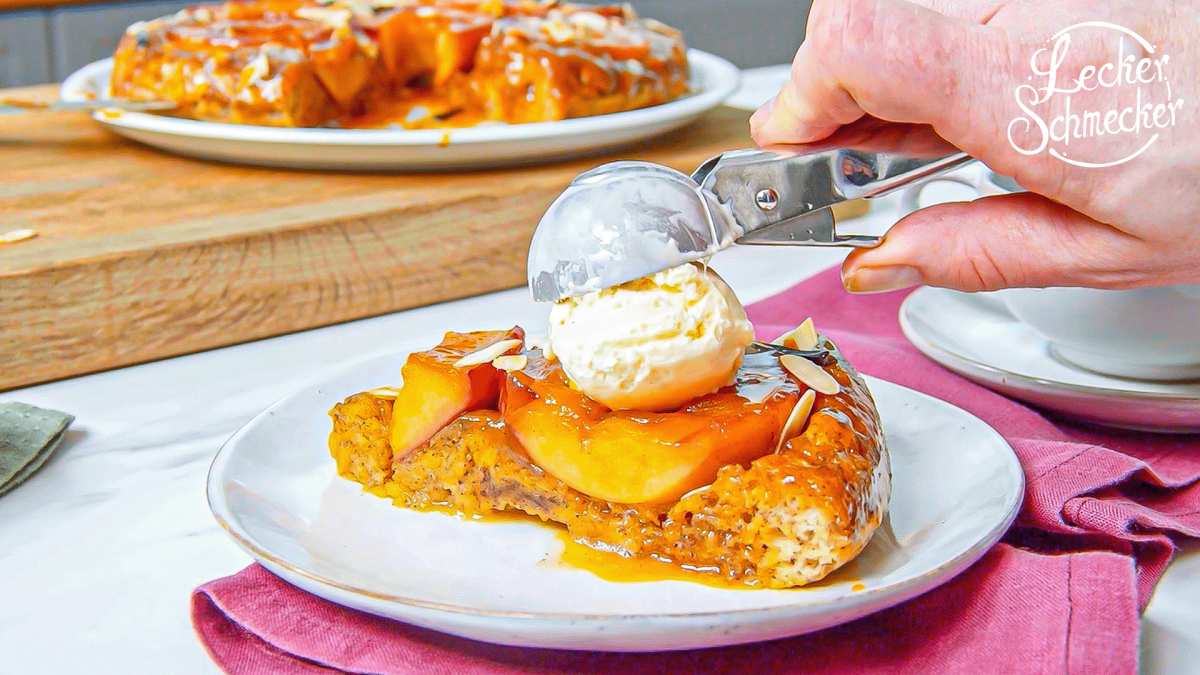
(974, 335)
(956, 487)
(713, 80)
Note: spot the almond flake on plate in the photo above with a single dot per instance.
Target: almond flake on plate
(810, 374)
(795, 421)
(487, 354)
(13, 236)
(511, 362)
(384, 392)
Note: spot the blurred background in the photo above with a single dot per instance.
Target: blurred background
(46, 40)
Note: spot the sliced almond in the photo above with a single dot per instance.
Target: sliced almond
(258, 69)
(810, 374)
(511, 363)
(13, 236)
(336, 19)
(799, 417)
(384, 392)
(803, 337)
(559, 31)
(487, 354)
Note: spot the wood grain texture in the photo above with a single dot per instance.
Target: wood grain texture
(142, 255)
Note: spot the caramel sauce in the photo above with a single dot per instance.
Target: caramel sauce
(574, 555)
(617, 568)
(416, 110)
(620, 569)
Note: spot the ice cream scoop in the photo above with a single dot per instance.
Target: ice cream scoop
(626, 220)
(653, 343)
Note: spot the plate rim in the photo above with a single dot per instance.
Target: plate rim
(995, 375)
(719, 78)
(885, 596)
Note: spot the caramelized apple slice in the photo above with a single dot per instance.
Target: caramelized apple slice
(633, 457)
(436, 391)
(344, 68)
(414, 44)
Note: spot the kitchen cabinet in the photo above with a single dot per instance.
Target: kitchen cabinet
(24, 48)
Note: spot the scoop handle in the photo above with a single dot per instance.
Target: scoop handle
(785, 187)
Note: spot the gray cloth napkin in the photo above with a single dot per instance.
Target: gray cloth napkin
(28, 436)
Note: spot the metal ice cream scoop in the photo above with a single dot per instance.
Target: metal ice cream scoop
(625, 220)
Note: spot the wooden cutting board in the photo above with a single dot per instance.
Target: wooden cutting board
(141, 255)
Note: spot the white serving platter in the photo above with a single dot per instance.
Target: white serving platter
(713, 80)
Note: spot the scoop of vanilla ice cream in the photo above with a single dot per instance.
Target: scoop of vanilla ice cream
(652, 344)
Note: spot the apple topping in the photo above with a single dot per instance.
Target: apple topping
(641, 457)
(442, 383)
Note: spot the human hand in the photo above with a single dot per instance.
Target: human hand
(957, 66)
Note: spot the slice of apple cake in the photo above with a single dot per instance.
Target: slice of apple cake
(772, 482)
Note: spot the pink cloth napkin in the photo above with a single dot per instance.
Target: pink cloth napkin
(1062, 594)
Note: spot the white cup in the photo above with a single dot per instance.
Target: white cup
(1146, 333)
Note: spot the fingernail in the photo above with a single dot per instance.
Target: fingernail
(763, 113)
(881, 279)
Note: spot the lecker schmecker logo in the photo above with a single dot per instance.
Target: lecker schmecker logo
(1127, 72)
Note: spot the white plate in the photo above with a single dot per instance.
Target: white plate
(957, 487)
(974, 335)
(713, 80)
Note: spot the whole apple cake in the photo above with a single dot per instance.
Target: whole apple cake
(408, 63)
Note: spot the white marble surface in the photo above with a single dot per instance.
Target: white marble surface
(100, 550)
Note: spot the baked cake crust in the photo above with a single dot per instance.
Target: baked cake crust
(787, 518)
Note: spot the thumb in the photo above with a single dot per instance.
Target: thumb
(893, 60)
(1001, 242)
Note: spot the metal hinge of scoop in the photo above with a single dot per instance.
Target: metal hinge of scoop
(783, 195)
